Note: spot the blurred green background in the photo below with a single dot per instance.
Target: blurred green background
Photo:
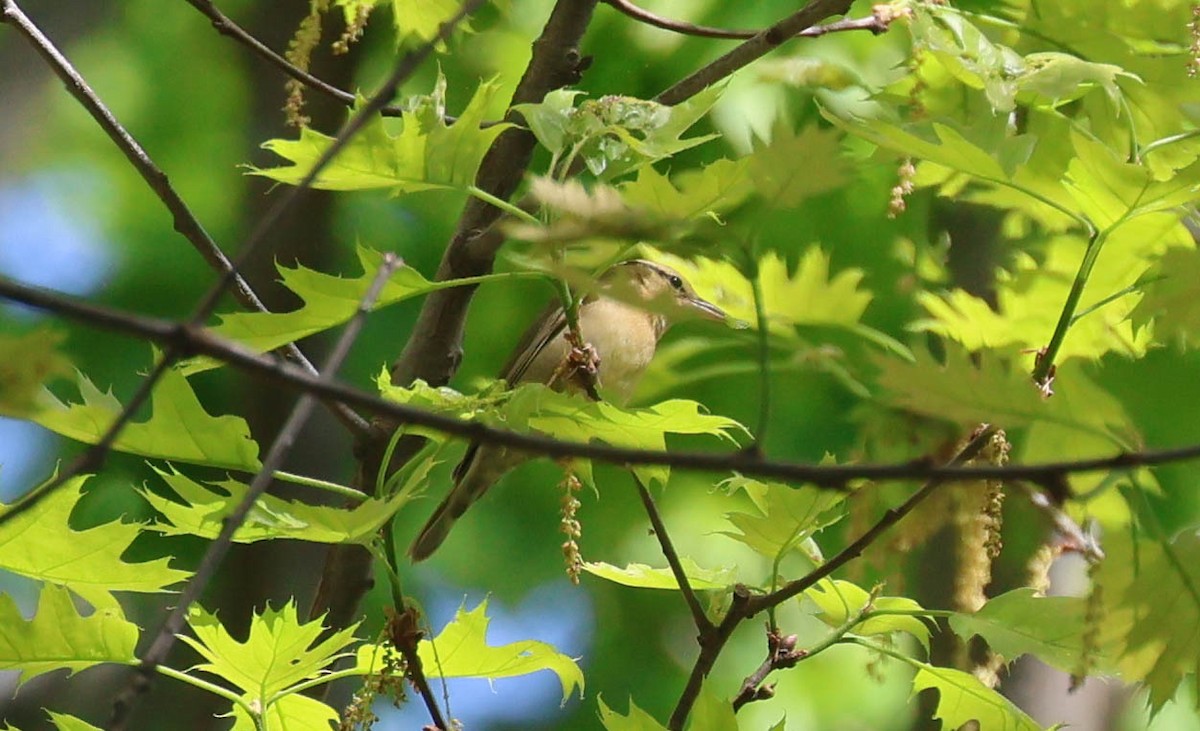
(75, 216)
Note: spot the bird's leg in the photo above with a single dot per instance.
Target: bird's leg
(582, 365)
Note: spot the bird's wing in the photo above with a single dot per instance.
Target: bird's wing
(539, 334)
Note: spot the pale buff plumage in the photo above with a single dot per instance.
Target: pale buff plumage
(624, 335)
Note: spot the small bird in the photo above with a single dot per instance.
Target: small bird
(634, 303)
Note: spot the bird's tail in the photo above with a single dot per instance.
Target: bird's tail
(464, 493)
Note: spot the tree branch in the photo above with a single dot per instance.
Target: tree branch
(875, 23)
(165, 638)
(753, 49)
(745, 605)
(703, 625)
(226, 27)
(192, 340)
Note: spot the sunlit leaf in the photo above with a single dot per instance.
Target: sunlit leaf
(40, 544)
(785, 516)
(962, 698)
(426, 154)
(59, 637)
(179, 429)
(63, 722)
(293, 712)
(328, 300)
(205, 507)
(635, 720)
(461, 650)
(644, 577)
(839, 601)
(1172, 300)
(279, 651)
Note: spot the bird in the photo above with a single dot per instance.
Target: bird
(621, 321)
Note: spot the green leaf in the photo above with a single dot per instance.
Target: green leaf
(1172, 301)
(644, 577)
(787, 516)
(1152, 610)
(573, 418)
(279, 652)
(838, 601)
(968, 390)
(462, 652)
(712, 712)
(419, 20)
(427, 154)
(962, 698)
(40, 544)
(328, 301)
(59, 637)
(26, 362)
(205, 506)
(615, 135)
(636, 720)
(809, 297)
(1022, 622)
(292, 712)
(179, 428)
(694, 193)
(64, 722)
(794, 167)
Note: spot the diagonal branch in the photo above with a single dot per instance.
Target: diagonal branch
(745, 605)
(165, 638)
(753, 49)
(185, 221)
(225, 26)
(874, 23)
(703, 625)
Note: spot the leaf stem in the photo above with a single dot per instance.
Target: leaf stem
(509, 208)
(333, 487)
(207, 686)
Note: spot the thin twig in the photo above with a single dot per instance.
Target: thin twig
(664, 540)
(225, 26)
(1048, 475)
(873, 23)
(751, 50)
(165, 638)
(745, 605)
(185, 221)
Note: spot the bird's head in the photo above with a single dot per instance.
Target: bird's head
(658, 289)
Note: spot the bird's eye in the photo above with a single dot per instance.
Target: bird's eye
(676, 281)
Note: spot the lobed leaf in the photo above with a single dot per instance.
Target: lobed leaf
(426, 154)
(962, 698)
(643, 576)
(787, 516)
(460, 650)
(41, 544)
(179, 427)
(1021, 622)
(58, 637)
(838, 601)
(205, 507)
(279, 651)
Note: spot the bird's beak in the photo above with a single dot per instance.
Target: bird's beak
(705, 309)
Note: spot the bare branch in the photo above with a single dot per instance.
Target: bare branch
(225, 26)
(873, 23)
(753, 49)
(668, 549)
(185, 221)
(192, 340)
(165, 638)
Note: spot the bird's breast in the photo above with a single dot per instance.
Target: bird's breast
(625, 338)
